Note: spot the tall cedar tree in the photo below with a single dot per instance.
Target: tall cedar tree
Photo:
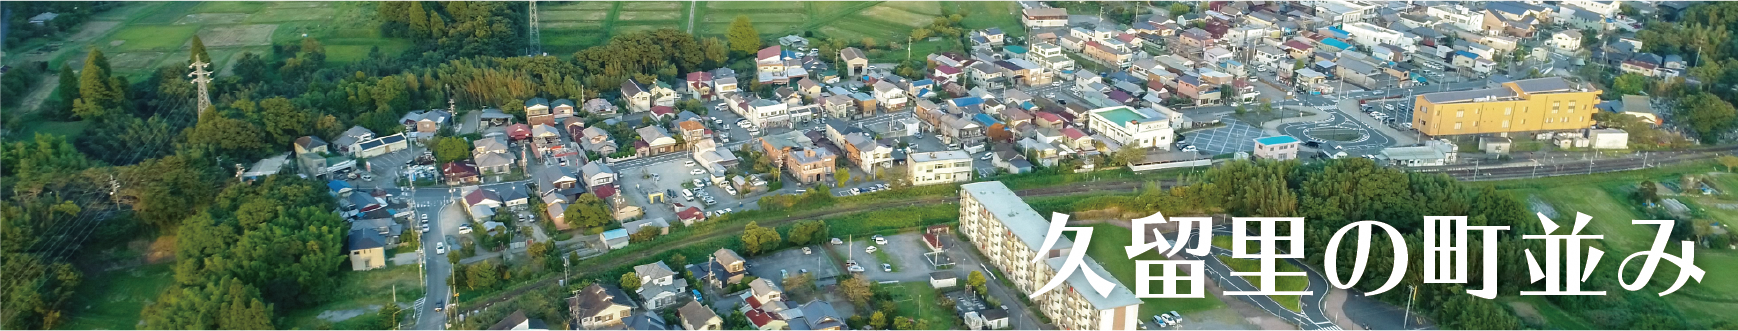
(743, 37)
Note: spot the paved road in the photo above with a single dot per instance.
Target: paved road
(1018, 312)
(1312, 317)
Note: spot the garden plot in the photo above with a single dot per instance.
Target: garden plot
(238, 35)
(212, 18)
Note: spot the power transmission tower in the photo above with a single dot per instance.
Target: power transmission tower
(202, 78)
(535, 45)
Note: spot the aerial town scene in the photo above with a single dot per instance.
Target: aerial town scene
(869, 165)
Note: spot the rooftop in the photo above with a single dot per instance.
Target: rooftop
(1275, 140)
(1025, 223)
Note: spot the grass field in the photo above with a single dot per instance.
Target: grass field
(1297, 283)
(361, 289)
(112, 300)
(917, 300)
(1107, 248)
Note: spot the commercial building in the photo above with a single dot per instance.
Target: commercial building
(1009, 233)
(1132, 127)
(1542, 104)
(943, 167)
(1276, 148)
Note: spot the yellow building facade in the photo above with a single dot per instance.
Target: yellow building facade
(1542, 104)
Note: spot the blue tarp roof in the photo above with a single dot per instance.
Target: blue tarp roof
(967, 101)
(985, 119)
(1339, 32)
(1275, 140)
(1015, 49)
(337, 185)
(1336, 43)
(1466, 54)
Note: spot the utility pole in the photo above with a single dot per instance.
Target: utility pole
(202, 78)
(535, 38)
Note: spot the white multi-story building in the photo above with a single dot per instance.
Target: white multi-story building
(1045, 17)
(1457, 15)
(1603, 8)
(762, 112)
(1567, 40)
(942, 167)
(1009, 234)
(1132, 127)
(1371, 35)
(1342, 11)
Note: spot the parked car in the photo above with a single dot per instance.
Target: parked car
(870, 250)
(463, 229)
(697, 172)
(886, 267)
(688, 163)
(425, 228)
(440, 248)
(806, 251)
(879, 240)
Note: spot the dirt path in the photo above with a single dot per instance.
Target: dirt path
(617, 261)
(44, 87)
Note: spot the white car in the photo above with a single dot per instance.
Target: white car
(697, 172)
(806, 251)
(987, 156)
(440, 248)
(688, 163)
(870, 250)
(879, 240)
(464, 229)
(938, 137)
(1055, 84)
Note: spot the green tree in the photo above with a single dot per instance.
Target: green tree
(742, 35)
(808, 232)
(97, 93)
(857, 290)
(903, 323)
(975, 279)
(1729, 161)
(843, 176)
(1178, 9)
(630, 281)
(878, 320)
(1129, 155)
(197, 51)
(1708, 115)
(757, 239)
(389, 316)
(449, 149)
(1628, 84)
(585, 212)
(68, 89)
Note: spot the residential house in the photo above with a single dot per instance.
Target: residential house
(595, 139)
(461, 172)
(597, 174)
(518, 321)
(890, 97)
(659, 286)
(724, 267)
(597, 307)
(656, 140)
(636, 96)
(697, 317)
(367, 250)
(692, 132)
(310, 145)
(556, 183)
(763, 113)
(537, 111)
(799, 155)
(1567, 40)
(600, 106)
(700, 86)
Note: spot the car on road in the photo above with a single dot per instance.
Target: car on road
(938, 137)
(879, 240)
(870, 250)
(807, 251)
(425, 218)
(439, 305)
(425, 228)
(367, 177)
(728, 210)
(563, 161)
(440, 248)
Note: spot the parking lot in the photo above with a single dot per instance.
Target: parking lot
(904, 251)
(668, 177)
(1231, 138)
(1395, 111)
(793, 262)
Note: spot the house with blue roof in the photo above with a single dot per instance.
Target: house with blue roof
(966, 102)
(985, 119)
(1279, 148)
(1336, 43)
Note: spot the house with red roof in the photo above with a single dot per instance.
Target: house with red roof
(689, 214)
(519, 131)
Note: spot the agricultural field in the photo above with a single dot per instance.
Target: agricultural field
(568, 27)
(1605, 198)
